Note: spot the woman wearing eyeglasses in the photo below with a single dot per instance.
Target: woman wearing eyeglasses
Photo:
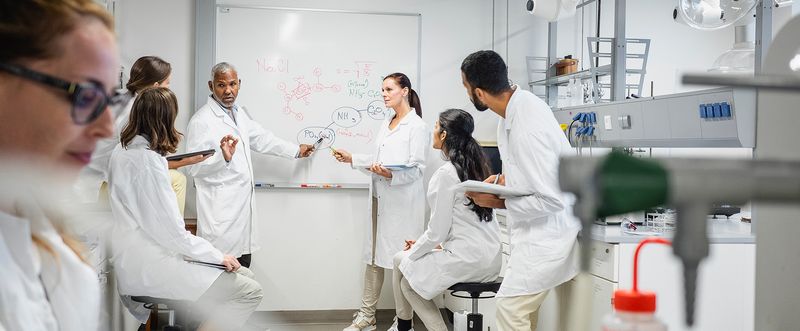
(57, 69)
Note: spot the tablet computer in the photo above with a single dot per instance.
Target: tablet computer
(177, 157)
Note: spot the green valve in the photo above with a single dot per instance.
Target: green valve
(630, 184)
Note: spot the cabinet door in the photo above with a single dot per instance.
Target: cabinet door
(602, 305)
(604, 260)
(725, 288)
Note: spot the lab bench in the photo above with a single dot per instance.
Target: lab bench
(726, 283)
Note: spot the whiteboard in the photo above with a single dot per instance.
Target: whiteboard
(315, 73)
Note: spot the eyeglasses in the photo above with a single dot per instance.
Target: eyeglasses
(88, 99)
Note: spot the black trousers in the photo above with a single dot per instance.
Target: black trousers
(244, 260)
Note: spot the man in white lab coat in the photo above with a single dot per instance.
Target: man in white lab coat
(541, 226)
(225, 187)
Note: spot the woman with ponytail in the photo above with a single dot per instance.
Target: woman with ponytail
(92, 186)
(397, 206)
(462, 241)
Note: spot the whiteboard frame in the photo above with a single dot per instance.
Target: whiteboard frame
(207, 22)
(218, 7)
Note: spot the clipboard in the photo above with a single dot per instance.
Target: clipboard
(394, 167)
(177, 157)
(499, 190)
(207, 264)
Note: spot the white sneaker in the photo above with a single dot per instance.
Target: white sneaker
(394, 326)
(361, 323)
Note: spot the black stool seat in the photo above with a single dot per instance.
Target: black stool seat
(475, 319)
(175, 304)
(475, 289)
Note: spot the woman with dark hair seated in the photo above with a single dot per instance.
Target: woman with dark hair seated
(150, 244)
(462, 241)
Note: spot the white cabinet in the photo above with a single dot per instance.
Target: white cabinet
(602, 304)
(725, 292)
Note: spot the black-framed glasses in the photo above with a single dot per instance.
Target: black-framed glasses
(88, 99)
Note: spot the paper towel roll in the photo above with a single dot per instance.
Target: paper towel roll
(553, 10)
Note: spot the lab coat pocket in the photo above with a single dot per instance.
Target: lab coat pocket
(225, 204)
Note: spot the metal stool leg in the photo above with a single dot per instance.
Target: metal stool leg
(474, 319)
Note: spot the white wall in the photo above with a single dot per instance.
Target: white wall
(164, 29)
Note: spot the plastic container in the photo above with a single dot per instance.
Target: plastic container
(661, 222)
(567, 65)
(634, 310)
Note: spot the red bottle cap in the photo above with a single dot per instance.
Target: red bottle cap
(637, 302)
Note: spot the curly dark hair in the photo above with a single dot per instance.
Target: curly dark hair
(487, 71)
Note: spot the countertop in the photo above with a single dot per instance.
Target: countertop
(720, 231)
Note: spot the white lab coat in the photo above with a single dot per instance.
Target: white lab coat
(92, 176)
(38, 291)
(149, 240)
(542, 229)
(225, 191)
(401, 199)
(470, 251)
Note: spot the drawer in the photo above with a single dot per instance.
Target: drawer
(604, 260)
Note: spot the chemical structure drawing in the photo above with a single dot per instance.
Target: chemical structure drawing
(344, 118)
(303, 91)
(359, 68)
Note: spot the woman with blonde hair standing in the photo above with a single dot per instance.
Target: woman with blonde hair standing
(396, 204)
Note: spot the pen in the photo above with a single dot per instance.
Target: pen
(496, 178)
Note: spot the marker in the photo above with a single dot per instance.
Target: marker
(308, 185)
(317, 144)
(264, 185)
(333, 151)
